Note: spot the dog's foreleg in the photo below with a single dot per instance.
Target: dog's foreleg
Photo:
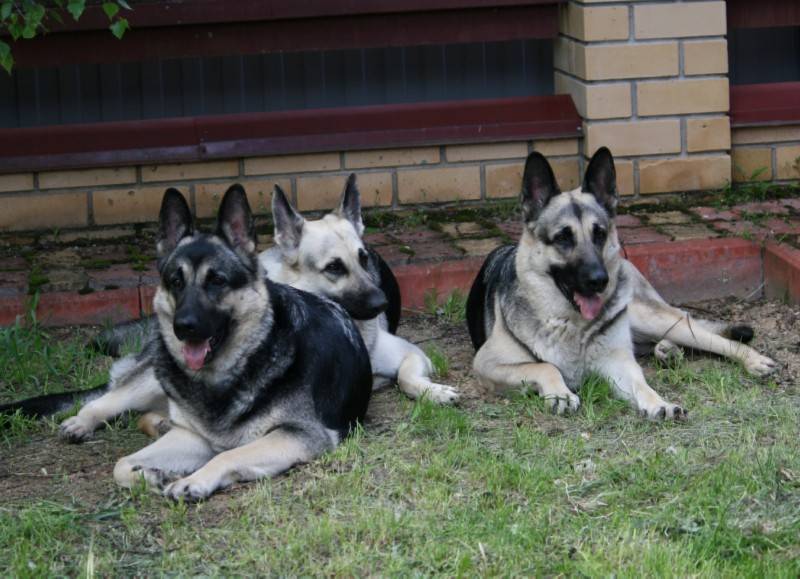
(176, 454)
(661, 321)
(273, 454)
(628, 382)
(397, 358)
(139, 392)
(502, 369)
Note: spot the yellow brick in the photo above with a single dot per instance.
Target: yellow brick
(752, 164)
(486, 151)
(621, 61)
(705, 57)
(184, 171)
(682, 96)
(439, 184)
(712, 134)
(685, 174)
(16, 182)
(624, 176)
(556, 147)
(752, 135)
(567, 173)
(324, 193)
(596, 101)
(679, 20)
(291, 164)
(44, 211)
(594, 23)
(86, 177)
(788, 162)
(634, 137)
(503, 180)
(129, 205)
(208, 196)
(391, 157)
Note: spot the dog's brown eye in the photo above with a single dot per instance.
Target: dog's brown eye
(215, 279)
(336, 267)
(599, 235)
(363, 258)
(564, 238)
(176, 282)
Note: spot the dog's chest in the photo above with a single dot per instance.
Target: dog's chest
(559, 342)
(222, 437)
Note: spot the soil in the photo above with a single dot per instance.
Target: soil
(41, 467)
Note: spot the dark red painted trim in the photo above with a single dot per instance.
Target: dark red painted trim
(187, 12)
(782, 273)
(226, 136)
(765, 104)
(762, 14)
(256, 37)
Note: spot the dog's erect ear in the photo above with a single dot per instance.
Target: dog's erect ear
(350, 205)
(601, 180)
(235, 222)
(288, 225)
(174, 222)
(538, 186)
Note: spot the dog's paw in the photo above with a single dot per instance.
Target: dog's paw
(154, 477)
(567, 403)
(77, 429)
(665, 411)
(189, 489)
(438, 393)
(667, 351)
(759, 365)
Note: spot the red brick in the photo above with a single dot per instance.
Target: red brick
(512, 228)
(780, 227)
(627, 221)
(635, 236)
(394, 254)
(11, 307)
(146, 294)
(770, 207)
(417, 280)
(70, 308)
(713, 214)
(418, 236)
(743, 228)
(434, 250)
(782, 273)
(113, 277)
(684, 271)
(376, 239)
(13, 283)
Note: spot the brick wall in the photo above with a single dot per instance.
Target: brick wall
(766, 153)
(387, 178)
(650, 81)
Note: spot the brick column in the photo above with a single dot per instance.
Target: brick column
(650, 80)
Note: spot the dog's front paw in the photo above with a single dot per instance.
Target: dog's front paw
(189, 489)
(155, 478)
(667, 351)
(665, 411)
(441, 393)
(759, 365)
(568, 402)
(77, 429)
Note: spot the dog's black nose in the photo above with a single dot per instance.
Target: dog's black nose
(596, 280)
(186, 326)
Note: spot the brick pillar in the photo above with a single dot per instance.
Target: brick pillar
(650, 81)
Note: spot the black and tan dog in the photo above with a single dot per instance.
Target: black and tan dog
(258, 376)
(563, 302)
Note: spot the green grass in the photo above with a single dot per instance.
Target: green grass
(451, 308)
(498, 487)
(441, 364)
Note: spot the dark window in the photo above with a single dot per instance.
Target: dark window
(764, 55)
(188, 87)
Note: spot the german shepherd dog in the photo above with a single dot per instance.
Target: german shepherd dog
(328, 257)
(563, 302)
(258, 376)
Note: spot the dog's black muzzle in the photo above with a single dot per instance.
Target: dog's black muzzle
(365, 305)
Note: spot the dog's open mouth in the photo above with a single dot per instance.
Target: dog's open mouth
(196, 354)
(588, 306)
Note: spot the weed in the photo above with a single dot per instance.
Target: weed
(452, 309)
(441, 365)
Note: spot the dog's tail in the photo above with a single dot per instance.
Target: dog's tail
(125, 338)
(736, 332)
(50, 404)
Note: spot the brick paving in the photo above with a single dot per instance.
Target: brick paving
(116, 261)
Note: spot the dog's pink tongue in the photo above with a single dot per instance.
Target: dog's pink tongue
(195, 354)
(590, 306)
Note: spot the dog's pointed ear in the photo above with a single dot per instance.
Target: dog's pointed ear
(601, 180)
(350, 205)
(174, 222)
(288, 225)
(538, 186)
(235, 222)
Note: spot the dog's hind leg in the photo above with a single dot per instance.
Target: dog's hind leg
(276, 452)
(502, 364)
(178, 453)
(658, 321)
(397, 358)
(136, 389)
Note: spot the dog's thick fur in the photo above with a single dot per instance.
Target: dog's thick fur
(563, 302)
(328, 257)
(259, 376)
